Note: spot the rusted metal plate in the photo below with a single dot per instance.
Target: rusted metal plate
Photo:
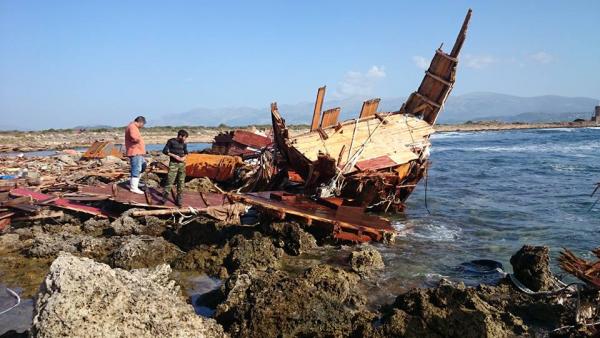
(251, 139)
(153, 197)
(347, 226)
(216, 167)
(59, 203)
(376, 163)
(369, 108)
(318, 108)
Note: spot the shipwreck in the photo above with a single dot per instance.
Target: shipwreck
(376, 159)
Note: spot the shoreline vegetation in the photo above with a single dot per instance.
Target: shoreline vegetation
(60, 139)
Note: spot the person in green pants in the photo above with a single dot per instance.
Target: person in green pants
(176, 149)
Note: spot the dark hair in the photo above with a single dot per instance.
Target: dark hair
(182, 133)
(140, 119)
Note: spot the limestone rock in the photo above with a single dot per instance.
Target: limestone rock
(366, 260)
(82, 298)
(531, 266)
(138, 252)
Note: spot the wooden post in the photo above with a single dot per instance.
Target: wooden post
(330, 117)
(369, 108)
(318, 108)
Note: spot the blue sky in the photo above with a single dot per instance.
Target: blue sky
(65, 63)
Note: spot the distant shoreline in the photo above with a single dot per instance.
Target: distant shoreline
(24, 141)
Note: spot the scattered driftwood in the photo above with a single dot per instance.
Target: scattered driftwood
(589, 272)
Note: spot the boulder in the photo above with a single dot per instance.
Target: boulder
(82, 298)
(290, 236)
(321, 302)
(254, 253)
(531, 266)
(142, 252)
(448, 310)
(366, 260)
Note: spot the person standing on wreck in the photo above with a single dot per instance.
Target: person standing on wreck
(135, 149)
(176, 149)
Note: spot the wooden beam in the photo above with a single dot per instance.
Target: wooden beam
(318, 108)
(330, 117)
(369, 108)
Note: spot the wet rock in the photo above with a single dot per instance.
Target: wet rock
(11, 242)
(82, 298)
(48, 245)
(206, 258)
(366, 260)
(127, 225)
(448, 311)
(322, 302)
(290, 236)
(254, 253)
(138, 252)
(531, 267)
(95, 226)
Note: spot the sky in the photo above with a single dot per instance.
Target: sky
(67, 63)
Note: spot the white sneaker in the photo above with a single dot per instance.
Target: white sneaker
(133, 185)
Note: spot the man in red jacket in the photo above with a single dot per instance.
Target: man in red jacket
(135, 150)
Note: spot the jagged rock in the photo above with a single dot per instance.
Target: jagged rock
(531, 266)
(82, 298)
(322, 302)
(206, 258)
(94, 226)
(290, 236)
(143, 251)
(127, 225)
(48, 245)
(366, 260)
(11, 242)
(257, 252)
(448, 311)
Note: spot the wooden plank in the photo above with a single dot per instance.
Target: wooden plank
(45, 214)
(318, 108)
(369, 108)
(330, 117)
(376, 163)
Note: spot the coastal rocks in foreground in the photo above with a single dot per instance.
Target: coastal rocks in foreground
(322, 302)
(366, 260)
(531, 267)
(82, 298)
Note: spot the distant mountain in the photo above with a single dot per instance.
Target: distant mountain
(459, 108)
(476, 106)
(538, 117)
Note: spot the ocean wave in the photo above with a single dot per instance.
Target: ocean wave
(436, 232)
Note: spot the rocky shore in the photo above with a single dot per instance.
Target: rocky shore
(98, 278)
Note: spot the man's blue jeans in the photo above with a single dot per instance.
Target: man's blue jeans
(138, 165)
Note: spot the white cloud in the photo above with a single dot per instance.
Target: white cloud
(359, 84)
(420, 62)
(541, 57)
(478, 61)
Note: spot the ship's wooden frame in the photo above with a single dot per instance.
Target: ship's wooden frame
(377, 159)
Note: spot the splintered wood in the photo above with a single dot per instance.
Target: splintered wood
(589, 272)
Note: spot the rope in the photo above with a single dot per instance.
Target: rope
(14, 294)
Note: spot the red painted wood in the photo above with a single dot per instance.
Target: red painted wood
(61, 203)
(376, 163)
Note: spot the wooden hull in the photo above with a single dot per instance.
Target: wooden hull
(377, 159)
